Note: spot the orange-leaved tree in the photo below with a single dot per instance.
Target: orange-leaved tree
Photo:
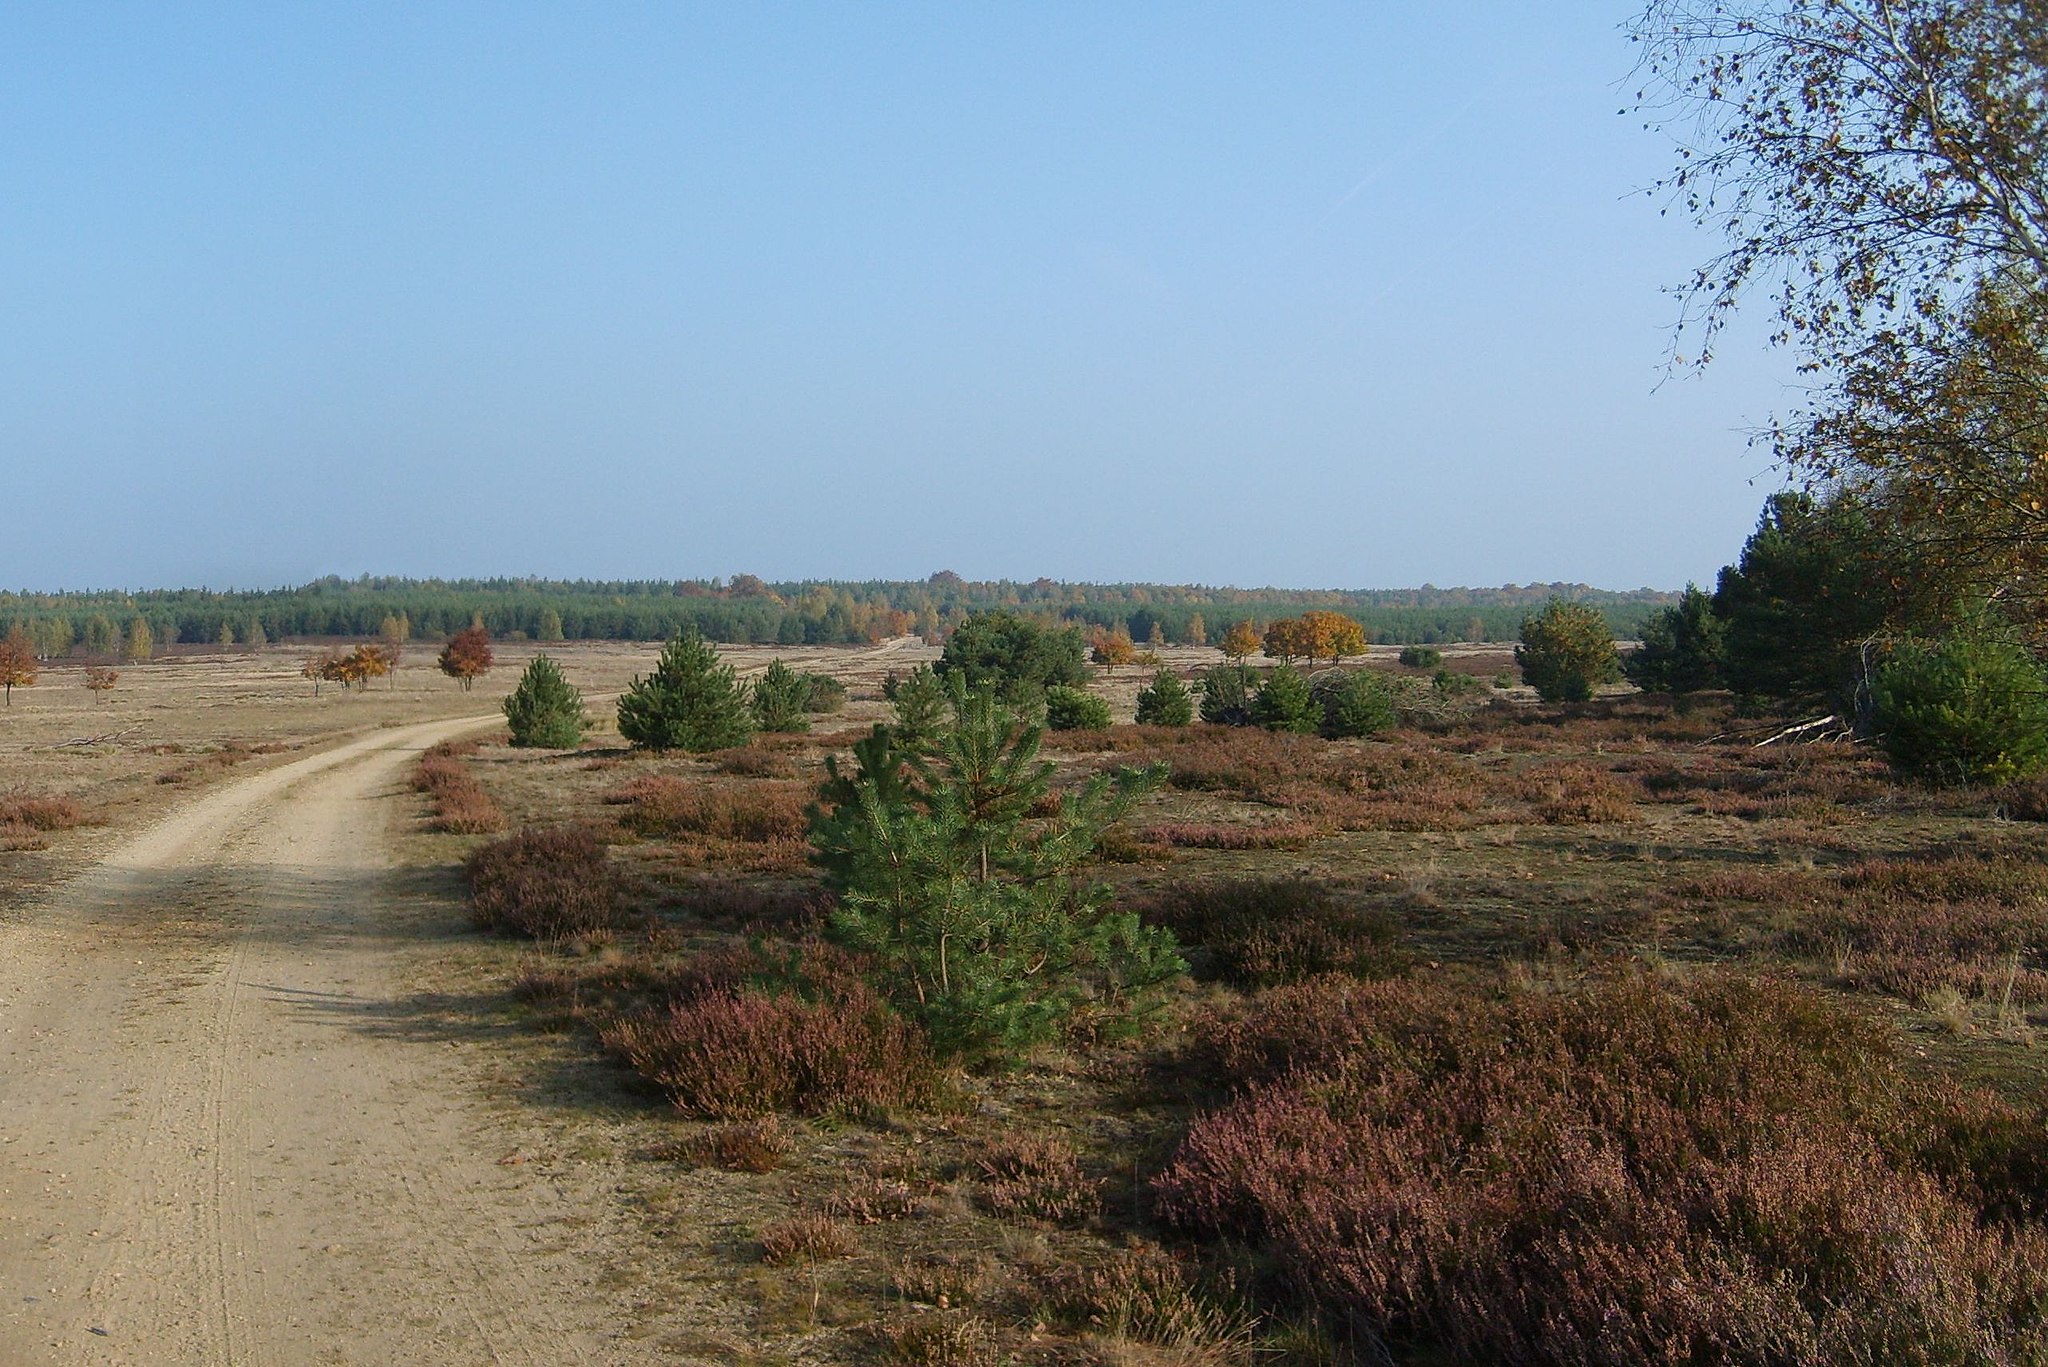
(1112, 648)
(467, 654)
(99, 679)
(1287, 639)
(1330, 636)
(1240, 641)
(17, 661)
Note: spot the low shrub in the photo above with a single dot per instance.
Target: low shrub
(1075, 709)
(806, 1239)
(1256, 932)
(757, 1145)
(1635, 1171)
(823, 693)
(44, 814)
(1035, 1178)
(1354, 702)
(876, 1200)
(546, 883)
(1221, 835)
(665, 805)
(1283, 702)
(461, 806)
(734, 1054)
(1421, 657)
(750, 904)
(1144, 1294)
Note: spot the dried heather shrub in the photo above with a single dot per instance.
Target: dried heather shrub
(734, 1054)
(806, 1239)
(1035, 1178)
(546, 883)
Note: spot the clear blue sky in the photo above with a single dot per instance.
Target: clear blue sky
(1335, 295)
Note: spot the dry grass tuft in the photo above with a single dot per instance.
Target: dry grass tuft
(806, 1239)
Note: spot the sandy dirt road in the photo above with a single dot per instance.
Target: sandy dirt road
(219, 1144)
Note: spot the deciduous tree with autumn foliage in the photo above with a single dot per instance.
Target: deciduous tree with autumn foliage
(1315, 635)
(1239, 641)
(467, 655)
(17, 661)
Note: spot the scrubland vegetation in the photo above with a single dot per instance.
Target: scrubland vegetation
(1593, 1032)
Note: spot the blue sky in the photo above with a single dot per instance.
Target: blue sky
(1336, 295)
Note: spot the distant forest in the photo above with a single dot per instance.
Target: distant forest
(747, 610)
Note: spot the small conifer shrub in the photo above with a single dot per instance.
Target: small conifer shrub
(1075, 709)
(690, 702)
(1166, 701)
(781, 697)
(546, 710)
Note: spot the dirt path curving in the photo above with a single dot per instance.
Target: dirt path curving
(218, 1142)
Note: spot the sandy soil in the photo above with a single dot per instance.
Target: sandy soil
(224, 1139)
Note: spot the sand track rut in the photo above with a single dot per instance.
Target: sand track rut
(216, 1144)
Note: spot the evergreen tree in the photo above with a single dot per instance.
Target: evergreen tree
(1356, 703)
(976, 914)
(781, 696)
(1075, 709)
(1683, 647)
(920, 702)
(690, 702)
(1227, 696)
(1017, 657)
(1969, 709)
(545, 710)
(1165, 701)
(1283, 703)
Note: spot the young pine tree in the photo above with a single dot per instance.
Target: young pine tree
(1165, 701)
(545, 711)
(983, 929)
(1284, 703)
(781, 696)
(920, 702)
(1567, 651)
(690, 702)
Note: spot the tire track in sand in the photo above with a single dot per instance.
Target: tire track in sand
(217, 1148)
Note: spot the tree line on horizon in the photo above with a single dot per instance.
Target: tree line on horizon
(749, 611)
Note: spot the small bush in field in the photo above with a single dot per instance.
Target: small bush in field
(2026, 800)
(780, 699)
(461, 806)
(1075, 709)
(546, 883)
(1421, 657)
(1567, 651)
(823, 693)
(736, 1054)
(1258, 932)
(1035, 1178)
(757, 1145)
(806, 1239)
(1354, 703)
(1970, 709)
(1227, 695)
(1222, 835)
(945, 1338)
(545, 710)
(1166, 701)
(1144, 1294)
(41, 813)
(665, 805)
(874, 1200)
(1283, 703)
